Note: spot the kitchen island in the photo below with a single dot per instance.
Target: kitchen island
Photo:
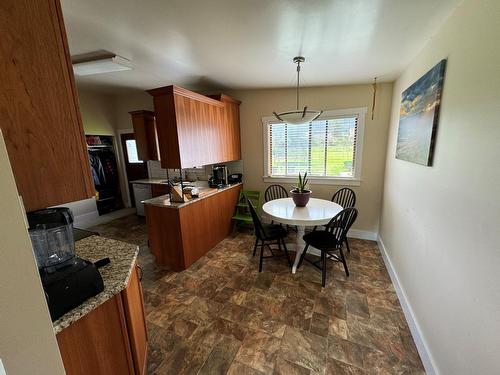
(107, 333)
(181, 233)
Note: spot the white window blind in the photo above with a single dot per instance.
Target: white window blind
(323, 148)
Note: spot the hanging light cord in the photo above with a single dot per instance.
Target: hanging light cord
(298, 83)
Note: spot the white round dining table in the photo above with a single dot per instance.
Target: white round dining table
(317, 212)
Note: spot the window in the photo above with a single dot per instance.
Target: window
(132, 151)
(328, 148)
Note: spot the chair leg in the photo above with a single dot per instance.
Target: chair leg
(347, 244)
(343, 261)
(302, 256)
(323, 269)
(314, 229)
(261, 256)
(255, 246)
(286, 253)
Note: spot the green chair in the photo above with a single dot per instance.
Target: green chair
(242, 215)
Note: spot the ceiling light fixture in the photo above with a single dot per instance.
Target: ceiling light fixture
(299, 116)
(101, 65)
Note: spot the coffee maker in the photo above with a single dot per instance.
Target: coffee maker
(219, 176)
(66, 279)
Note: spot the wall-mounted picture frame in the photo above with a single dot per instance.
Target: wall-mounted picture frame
(419, 117)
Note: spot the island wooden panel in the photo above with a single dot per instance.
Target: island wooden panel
(179, 237)
(41, 120)
(98, 343)
(164, 236)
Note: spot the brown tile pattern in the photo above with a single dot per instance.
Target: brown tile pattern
(222, 317)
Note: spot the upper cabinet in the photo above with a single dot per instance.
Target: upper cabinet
(232, 149)
(194, 129)
(41, 120)
(146, 137)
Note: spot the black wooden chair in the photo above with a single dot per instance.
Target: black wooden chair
(346, 198)
(267, 235)
(329, 241)
(275, 192)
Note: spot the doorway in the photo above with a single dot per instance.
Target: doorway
(136, 169)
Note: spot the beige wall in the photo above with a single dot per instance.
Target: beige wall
(101, 115)
(27, 340)
(260, 103)
(98, 113)
(133, 101)
(441, 225)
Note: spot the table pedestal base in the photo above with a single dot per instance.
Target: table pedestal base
(299, 247)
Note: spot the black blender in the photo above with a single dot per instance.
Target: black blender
(67, 280)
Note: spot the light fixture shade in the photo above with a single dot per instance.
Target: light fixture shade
(298, 117)
(104, 65)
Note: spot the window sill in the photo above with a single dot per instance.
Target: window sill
(316, 181)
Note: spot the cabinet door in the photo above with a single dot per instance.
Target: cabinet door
(97, 343)
(145, 135)
(190, 127)
(41, 119)
(231, 128)
(232, 117)
(200, 131)
(136, 321)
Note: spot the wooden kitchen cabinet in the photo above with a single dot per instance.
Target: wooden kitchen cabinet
(178, 237)
(41, 121)
(194, 129)
(112, 339)
(133, 302)
(146, 137)
(159, 189)
(232, 143)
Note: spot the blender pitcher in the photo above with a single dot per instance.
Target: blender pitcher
(51, 233)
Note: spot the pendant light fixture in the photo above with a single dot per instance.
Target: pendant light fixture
(299, 116)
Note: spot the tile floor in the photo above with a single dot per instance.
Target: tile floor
(222, 317)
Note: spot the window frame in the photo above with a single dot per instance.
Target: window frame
(326, 115)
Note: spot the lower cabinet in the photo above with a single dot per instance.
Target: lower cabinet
(159, 189)
(112, 339)
(178, 237)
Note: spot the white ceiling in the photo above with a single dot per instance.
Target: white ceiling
(208, 44)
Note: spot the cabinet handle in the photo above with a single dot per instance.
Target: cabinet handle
(141, 272)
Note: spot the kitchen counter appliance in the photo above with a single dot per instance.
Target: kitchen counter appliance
(142, 192)
(219, 177)
(234, 178)
(66, 279)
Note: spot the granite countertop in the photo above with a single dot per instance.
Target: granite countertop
(151, 181)
(115, 275)
(164, 200)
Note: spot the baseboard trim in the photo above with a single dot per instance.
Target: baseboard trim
(415, 330)
(107, 217)
(362, 234)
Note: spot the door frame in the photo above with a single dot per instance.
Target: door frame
(128, 203)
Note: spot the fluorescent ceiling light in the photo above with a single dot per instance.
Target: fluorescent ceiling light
(104, 65)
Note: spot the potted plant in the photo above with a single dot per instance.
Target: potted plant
(300, 194)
